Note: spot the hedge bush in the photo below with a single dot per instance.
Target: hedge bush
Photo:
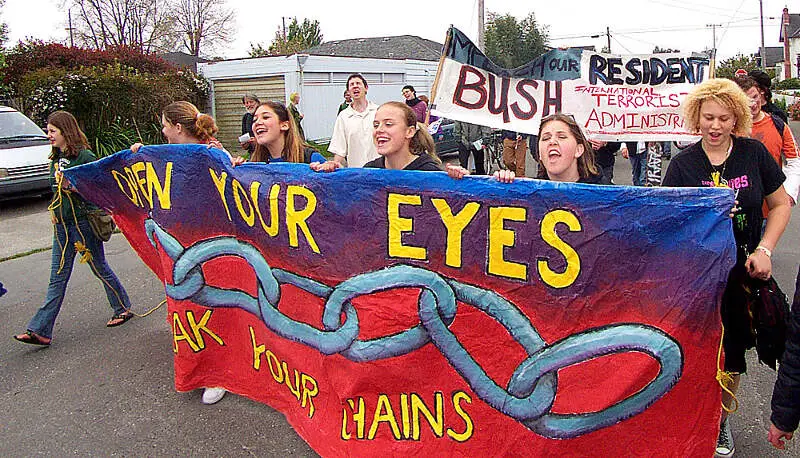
(115, 103)
(788, 83)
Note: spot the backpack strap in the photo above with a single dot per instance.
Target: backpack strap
(780, 125)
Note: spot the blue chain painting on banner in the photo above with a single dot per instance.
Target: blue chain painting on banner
(408, 309)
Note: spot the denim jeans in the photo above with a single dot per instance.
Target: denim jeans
(639, 168)
(45, 318)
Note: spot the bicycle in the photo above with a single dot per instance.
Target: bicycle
(493, 152)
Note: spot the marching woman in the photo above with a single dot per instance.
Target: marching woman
(277, 137)
(564, 154)
(71, 232)
(719, 110)
(401, 143)
(182, 123)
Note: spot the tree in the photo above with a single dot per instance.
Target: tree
(727, 68)
(142, 24)
(298, 37)
(206, 22)
(511, 43)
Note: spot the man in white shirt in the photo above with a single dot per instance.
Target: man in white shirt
(352, 133)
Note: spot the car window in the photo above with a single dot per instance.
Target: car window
(16, 124)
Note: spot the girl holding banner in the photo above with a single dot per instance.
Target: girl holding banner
(183, 123)
(401, 143)
(719, 110)
(564, 154)
(278, 138)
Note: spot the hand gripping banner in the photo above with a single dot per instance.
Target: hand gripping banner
(395, 313)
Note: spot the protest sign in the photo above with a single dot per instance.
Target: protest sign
(389, 312)
(612, 97)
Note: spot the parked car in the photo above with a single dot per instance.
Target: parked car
(24, 148)
(442, 132)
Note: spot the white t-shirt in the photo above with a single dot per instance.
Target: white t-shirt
(352, 136)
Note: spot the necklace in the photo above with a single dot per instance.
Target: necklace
(718, 176)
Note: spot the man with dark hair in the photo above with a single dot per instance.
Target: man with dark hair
(417, 106)
(765, 84)
(352, 133)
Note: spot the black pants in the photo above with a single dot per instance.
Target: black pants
(463, 158)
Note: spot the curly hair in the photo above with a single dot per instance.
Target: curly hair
(728, 95)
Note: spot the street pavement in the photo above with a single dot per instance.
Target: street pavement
(109, 391)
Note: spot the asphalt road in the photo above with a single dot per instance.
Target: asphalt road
(109, 391)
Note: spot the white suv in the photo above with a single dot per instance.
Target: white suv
(24, 148)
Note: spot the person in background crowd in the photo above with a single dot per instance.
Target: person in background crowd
(765, 84)
(71, 231)
(467, 134)
(400, 140)
(250, 103)
(514, 148)
(182, 123)
(419, 107)
(719, 110)
(352, 133)
(786, 394)
(346, 103)
(294, 99)
(564, 154)
(666, 150)
(636, 152)
(604, 155)
(431, 117)
(278, 138)
(775, 134)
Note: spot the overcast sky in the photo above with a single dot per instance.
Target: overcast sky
(636, 27)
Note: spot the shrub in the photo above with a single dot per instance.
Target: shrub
(111, 102)
(788, 83)
(794, 111)
(780, 103)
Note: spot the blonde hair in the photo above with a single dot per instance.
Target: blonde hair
(199, 125)
(421, 142)
(724, 92)
(293, 97)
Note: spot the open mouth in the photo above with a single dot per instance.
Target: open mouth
(381, 141)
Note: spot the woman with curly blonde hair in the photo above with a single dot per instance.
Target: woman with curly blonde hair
(719, 110)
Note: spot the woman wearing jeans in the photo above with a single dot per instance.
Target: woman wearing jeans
(71, 233)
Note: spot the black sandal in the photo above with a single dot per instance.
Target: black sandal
(32, 338)
(118, 320)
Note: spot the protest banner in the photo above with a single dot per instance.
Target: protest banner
(612, 97)
(397, 313)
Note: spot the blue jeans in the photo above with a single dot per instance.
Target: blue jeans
(639, 166)
(45, 318)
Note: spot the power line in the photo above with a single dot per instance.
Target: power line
(686, 28)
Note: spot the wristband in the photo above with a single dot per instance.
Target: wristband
(765, 250)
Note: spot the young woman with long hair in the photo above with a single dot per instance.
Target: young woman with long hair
(401, 142)
(71, 232)
(277, 137)
(564, 154)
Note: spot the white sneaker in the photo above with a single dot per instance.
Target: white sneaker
(213, 395)
(725, 447)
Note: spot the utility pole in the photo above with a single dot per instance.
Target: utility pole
(69, 21)
(481, 27)
(283, 19)
(608, 37)
(763, 49)
(714, 39)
